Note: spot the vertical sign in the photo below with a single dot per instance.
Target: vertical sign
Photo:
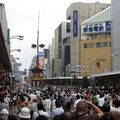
(75, 23)
(108, 25)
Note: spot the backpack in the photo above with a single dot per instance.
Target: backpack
(41, 117)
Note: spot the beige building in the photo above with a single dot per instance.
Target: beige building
(95, 56)
(95, 52)
(77, 13)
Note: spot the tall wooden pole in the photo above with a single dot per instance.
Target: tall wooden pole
(37, 59)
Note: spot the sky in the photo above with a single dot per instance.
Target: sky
(22, 17)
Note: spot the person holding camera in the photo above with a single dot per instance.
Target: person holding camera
(83, 111)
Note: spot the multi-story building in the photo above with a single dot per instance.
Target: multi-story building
(52, 57)
(95, 50)
(77, 13)
(61, 49)
(115, 35)
(5, 65)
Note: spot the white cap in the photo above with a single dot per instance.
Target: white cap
(4, 111)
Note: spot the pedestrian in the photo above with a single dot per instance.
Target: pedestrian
(24, 114)
(106, 110)
(41, 111)
(83, 111)
(33, 107)
(3, 104)
(4, 114)
(47, 103)
(58, 110)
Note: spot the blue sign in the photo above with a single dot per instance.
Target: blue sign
(108, 25)
(75, 23)
(41, 54)
(97, 27)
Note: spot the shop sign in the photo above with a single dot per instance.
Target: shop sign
(96, 27)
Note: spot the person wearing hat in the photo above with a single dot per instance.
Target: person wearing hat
(4, 114)
(83, 111)
(24, 114)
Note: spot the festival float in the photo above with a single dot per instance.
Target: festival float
(37, 72)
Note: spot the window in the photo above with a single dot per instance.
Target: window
(98, 64)
(101, 28)
(85, 29)
(89, 45)
(106, 44)
(90, 29)
(98, 44)
(96, 27)
(68, 27)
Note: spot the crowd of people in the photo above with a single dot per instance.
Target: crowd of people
(60, 103)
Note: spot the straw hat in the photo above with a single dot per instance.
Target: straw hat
(24, 113)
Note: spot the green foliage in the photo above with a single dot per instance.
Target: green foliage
(85, 82)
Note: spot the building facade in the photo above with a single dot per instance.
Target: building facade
(4, 56)
(5, 65)
(77, 13)
(61, 49)
(96, 43)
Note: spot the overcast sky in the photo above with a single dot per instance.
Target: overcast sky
(22, 17)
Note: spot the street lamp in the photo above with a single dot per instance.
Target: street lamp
(19, 37)
(18, 50)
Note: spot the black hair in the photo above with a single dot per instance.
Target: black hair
(78, 96)
(116, 102)
(40, 106)
(58, 103)
(106, 107)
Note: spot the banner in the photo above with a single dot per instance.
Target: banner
(75, 23)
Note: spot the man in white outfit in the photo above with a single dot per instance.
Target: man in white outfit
(47, 103)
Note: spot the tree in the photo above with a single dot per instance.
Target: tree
(85, 82)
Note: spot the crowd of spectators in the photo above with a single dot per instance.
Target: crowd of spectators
(61, 103)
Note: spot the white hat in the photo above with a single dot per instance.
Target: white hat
(24, 113)
(4, 111)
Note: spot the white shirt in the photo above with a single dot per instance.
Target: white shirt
(101, 101)
(47, 104)
(76, 102)
(57, 111)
